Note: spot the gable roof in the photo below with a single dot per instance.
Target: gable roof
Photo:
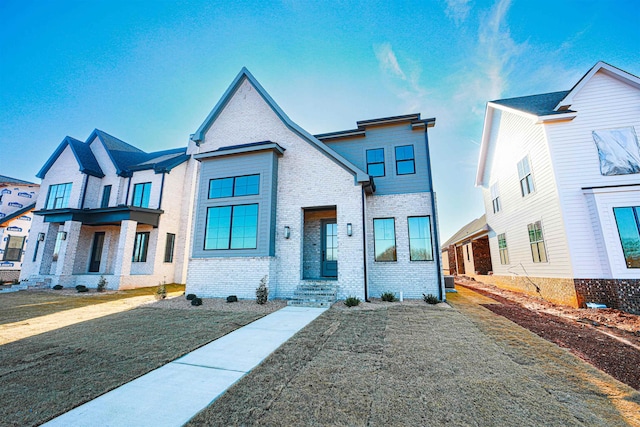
(8, 180)
(83, 154)
(16, 214)
(546, 107)
(475, 228)
(198, 136)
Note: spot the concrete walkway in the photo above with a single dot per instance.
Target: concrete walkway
(172, 394)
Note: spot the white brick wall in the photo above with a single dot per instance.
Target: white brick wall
(413, 278)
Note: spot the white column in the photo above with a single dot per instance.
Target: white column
(68, 248)
(124, 252)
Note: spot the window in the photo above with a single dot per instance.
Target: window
(234, 187)
(405, 163)
(420, 238)
(141, 193)
(58, 197)
(628, 221)
(384, 237)
(168, 249)
(618, 150)
(502, 248)
(468, 256)
(56, 249)
(495, 198)
(526, 180)
(13, 250)
(375, 162)
(537, 242)
(106, 194)
(140, 247)
(231, 227)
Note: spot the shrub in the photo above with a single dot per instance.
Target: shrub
(82, 288)
(57, 287)
(15, 281)
(190, 297)
(161, 292)
(262, 292)
(102, 284)
(389, 297)
(232, 298)
(352, 301)
(196, 301)
(430, 299)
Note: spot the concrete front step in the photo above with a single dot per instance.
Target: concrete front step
(316, 304)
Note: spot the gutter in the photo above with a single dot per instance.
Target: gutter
(161, 190)
(435, 224)
(364, 247)
(84, 190)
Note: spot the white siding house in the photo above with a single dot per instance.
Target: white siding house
(313, 219)
(17, 201)
(109, 210)
(566, 169)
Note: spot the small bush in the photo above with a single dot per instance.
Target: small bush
(190, 297)
(352, 301)
(430, 299)
(82, 288)
(15, 281)
(102, 284)
(389, 297)
(57, 287)
(232, 298)
(262, 292)
(161, 292)
(196, 301)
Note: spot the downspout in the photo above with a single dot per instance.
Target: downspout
(84, 191)
(435, 225)
(364, 247)
(161, 190)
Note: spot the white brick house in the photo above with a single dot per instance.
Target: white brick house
(560, 174)
(352, 209)
(109, 209)
(17, 201)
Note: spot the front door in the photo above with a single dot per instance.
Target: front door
(96, 252)
(329, 248)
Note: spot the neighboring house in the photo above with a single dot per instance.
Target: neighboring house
(467, 251)
(350, 210)
(560, 175)
(109, 209)
(17, 200)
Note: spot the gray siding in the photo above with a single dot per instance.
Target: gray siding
(388, 137)
(263, 163)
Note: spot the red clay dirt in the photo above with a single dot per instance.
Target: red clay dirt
(608, 339)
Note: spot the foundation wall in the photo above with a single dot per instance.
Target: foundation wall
(623, 294)
(556, 290)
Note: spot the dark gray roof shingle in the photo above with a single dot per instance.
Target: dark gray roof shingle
(8, 180)
(540, 105)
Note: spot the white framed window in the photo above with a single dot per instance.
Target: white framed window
(526, 178)
(536, 240)
(495, 198)
(502, 248)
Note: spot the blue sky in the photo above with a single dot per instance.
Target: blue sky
(149, 72)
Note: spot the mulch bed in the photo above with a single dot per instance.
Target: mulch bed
(609, 354)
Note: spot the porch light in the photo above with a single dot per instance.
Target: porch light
(40, 237)
(287, 232)
(349, 229)
(62, 235)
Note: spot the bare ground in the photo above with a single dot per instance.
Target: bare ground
(413, 364)
(608, 339)
(47, 374)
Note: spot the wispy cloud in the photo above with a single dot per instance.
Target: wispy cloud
(388, 61)
(458, 10)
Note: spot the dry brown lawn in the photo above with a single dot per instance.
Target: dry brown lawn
(413, 364)
(47, 374)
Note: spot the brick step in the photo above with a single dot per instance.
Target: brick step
(313, 287)
(316, 304)
(319, 294)
(314, 293)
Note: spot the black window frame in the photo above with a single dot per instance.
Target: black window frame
(106, 196)
(430, 237)
(230, 239)
(68, 187)
(142, 238)
(372, 150)
(395, 241)
(16, 250)
(233, 186)
(142, 185)
(169, 246)
(403, 160)
(636, 215)
(495, 198)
